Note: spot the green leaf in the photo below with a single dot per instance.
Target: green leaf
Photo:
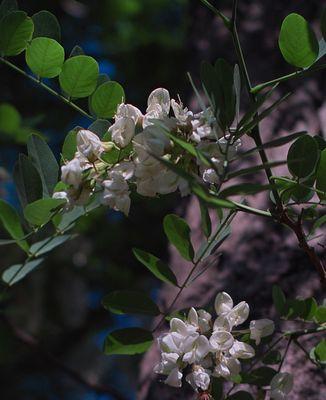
(321, 175)
(321, 142)
(45, 162)
(17, 272)
(244, 189)
(252, 170)
(310, 309)
(273, 357)
(206, 223)
(320, 351)
(178, 233)
(78, 77)
(279, 300)
(46, 25)
(296, 308)
(217, 388)
(45, 57)
(320, 315)
(156, 266)
(319, 222)
(16, 31)
(128, 341)
(11, 222)
(48, 244)
(7, 6)
(100, 127)
(323, 23)
(298, 42)
(41, 211)
(10, 119)
(237, 89)
(130, 302)
(261, 376)
(106, 98)
(303, 156)
(69, 147)
(27, 180)
(241, 395)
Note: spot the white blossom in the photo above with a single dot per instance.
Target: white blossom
(129, 111)
(227, 367)
(183, 115)
(223, 303)
(89, 145)
(221, 340)
(241, 350)
(281, 385)
(159, 97)
(71, 173)
(174, 378)
(122, 131)
(116, 193)
(198, 378)
(261, 328)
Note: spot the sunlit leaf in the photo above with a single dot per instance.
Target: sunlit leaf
(128, 341)
(106, 98)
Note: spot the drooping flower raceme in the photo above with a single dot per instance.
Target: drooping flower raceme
(199, 348)
(140, 141)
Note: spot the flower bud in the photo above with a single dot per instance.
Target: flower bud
(261, 328)
(89, 145)
(71, 173)
(223, 303)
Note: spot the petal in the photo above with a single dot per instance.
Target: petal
(223, 303)
(174, 378)
(193, 317)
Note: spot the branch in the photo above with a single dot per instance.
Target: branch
(224, 18)
(46, 87)
(29, 341)
(296, 74)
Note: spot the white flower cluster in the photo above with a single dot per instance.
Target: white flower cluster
(140, 167)
(202, 348)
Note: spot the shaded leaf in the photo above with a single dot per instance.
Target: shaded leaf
(156, 266)
(206, 224)
(41, 211)
(273, 357)
(46, 25)
(48, 244)
(279, 300)
(11, 222)
(261, 376)
(321, 175)
(303, 156)
(128, 341)
(100, 127)
(17, 272)
(7, 6)
(178, 233)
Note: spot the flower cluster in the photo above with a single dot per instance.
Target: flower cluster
(139, 141)
(201, 348)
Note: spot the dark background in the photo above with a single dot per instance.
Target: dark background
(143, 44)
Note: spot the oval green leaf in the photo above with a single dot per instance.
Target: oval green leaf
(156, 266)
(128, 341)
(45, 57)
(16, 31)
(46, 25)
(303, 156)
(178, 233)
(298, 43)
(106, 98)
(10, 119)
(78, 77)
(130, 302)
(279, 300)
(41, 211)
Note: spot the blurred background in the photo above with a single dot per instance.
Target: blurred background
(143, 44)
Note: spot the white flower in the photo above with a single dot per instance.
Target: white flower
(159, 97)
(151, 141)
(201, 319)
(122, 131)
(89, 145)
(71, 173)
(167, 364)
(183, 115)
(227, 367)
(167, 181)
(222, 324)
(223, 303)
(281, 385)
(241, 350)
(174, 378)
(238, 314)
(199, 350)
(126, 169)
(116, 193)
(221, 340)
(198, 378)
(128, 111)
(261, 328)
